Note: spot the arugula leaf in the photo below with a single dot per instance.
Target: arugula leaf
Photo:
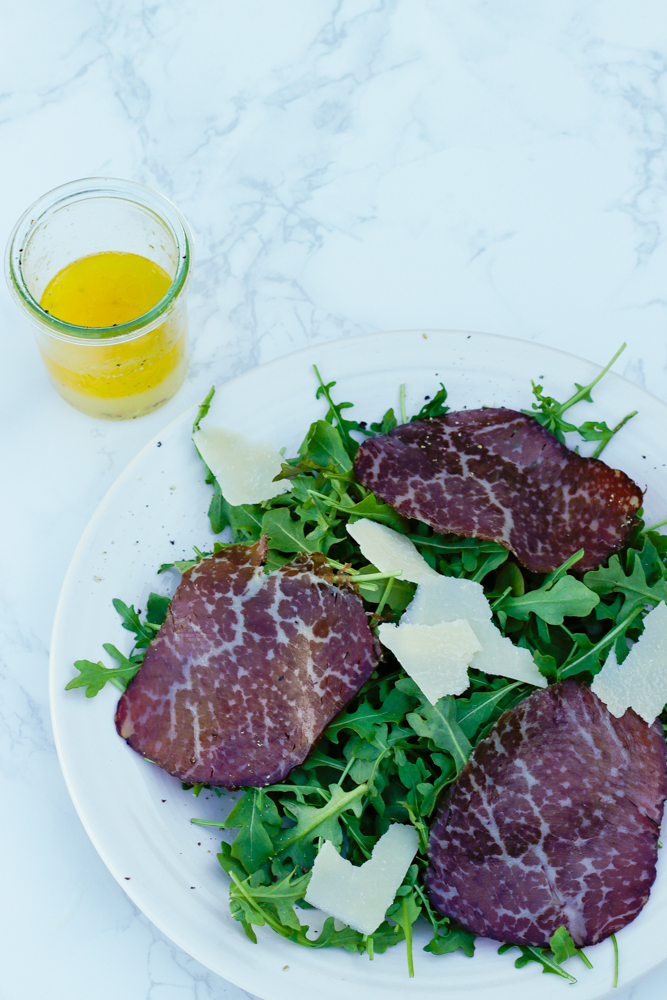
(259, 905)
(324, 447)
(425, 794)
(93, 676)
(247, 896)
(540, 955)
(369, 507)
(590, 658)
(311, 822)
(561, 948)
(335, 414)
(473, 712)
(245, 520)
(450, 940)
(278, 899)
(180, 565)
(217, 509)
(447, 936)
(203, 409)
(562, 945)
(510, 576)
(156, 609)
(438, 724)
(366, 758)
(252, 815)
(365, 719)
(378, 942)
(597, 430)
(552, 604)
(387, 423)
(455, 543)
(398, 597)
(286, 534)
(632, 584)
(434, 407)
(131, 621)
(229, 863)
(405, 911)
(490, 562)
(549, 412)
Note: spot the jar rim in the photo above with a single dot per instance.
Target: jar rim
(90, 188)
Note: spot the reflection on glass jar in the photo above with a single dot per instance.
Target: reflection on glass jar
(93, 252)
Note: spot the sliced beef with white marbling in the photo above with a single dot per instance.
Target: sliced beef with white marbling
(247, 669)
(499, 475)
(553, 821)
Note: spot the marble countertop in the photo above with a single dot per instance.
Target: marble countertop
(346, 166)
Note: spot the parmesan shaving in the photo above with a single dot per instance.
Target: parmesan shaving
(446, 599)
(500, 657)
(244, 469)
(640, 682)
(361, 896)
(435, 656)
(389, 551)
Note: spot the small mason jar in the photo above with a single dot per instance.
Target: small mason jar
(119, 371)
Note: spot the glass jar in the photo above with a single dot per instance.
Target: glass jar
(112, 372)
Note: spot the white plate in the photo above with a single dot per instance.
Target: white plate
(138, 817)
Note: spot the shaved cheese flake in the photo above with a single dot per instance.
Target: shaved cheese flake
(361, 896)
(435, 656)
(446, 599)
(244, 469)
(499, 656)
(640, 682)
(389, 550)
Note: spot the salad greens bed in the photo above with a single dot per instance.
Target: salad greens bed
(389, 756)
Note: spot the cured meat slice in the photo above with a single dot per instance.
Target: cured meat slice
(553, 821)
(247, 669)
(499, 475)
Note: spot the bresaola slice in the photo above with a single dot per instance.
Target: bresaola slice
(553, 821)
(247, 669)
(499, 475)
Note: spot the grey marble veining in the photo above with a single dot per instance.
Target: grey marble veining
(346, 167)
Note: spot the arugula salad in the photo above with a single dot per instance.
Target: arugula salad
(390, 755)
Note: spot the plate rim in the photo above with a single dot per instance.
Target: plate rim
(136, 462)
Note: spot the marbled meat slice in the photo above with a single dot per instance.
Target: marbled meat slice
(247, 669)
(499, 475)
(553, 821)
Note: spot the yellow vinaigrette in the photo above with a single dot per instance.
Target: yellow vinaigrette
(107, 378)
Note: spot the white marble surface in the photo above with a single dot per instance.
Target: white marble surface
(346, 166)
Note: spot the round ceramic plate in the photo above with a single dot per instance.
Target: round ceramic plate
(138, 817)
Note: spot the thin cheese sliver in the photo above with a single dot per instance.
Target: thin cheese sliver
(435, 656)
(640, 682)
(360, 896)
(244, 469)
(390, 551)
(446, 599)
(500, 657)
